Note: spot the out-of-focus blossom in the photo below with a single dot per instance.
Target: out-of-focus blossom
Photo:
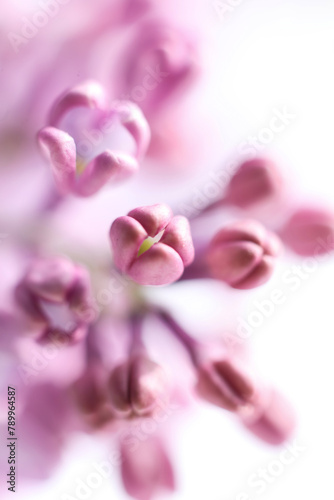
(80, 148)
(90, 394)
(146, 470)
(309, 231)
(55, 295)
(226, 381)
(254, 182)
(152, 246)
(45, 423)
(160, 64)
(225, 384)
(272, 419)
(136, 386)
(243, 254)
(157, 70)
(132, 10)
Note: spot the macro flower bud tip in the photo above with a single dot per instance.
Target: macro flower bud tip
(136, 386)
(151, 245)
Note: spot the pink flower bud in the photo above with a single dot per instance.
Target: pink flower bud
(146, 469)
(243, 254)
(55, 294)
(255, 181)
(310, 231)
(91, 396)
(136, 386)
(152, 246)
(225, 384)
(272, 419)
(85, 174)
(161, 62)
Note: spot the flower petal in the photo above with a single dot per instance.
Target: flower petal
(126, 236)
(178, 236)
(153, 218)
(134, 121)
(89, 94)
(160, 265)
(59, 148)
(101, 169)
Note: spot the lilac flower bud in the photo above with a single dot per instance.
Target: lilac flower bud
(243, 254)
(272, 419)
(161, 62)
(84, 175)
(225, 384)
(55, 294)
(151, 245)
(146, 470)
(255, 181)
(136, 386)
(91, 396)
(310, 231)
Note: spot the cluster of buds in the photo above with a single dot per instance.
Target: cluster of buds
(96, 133)
(152, 247)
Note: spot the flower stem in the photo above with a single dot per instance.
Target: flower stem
(192, 345)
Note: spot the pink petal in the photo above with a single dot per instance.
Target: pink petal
(232, 262)
(246, 230)
(126, 235)
(101, 169)
(275, 423)
(51, 279)
(160, 265)
(153, 218)
(88, 94)
(59, 148)
(258, 276)
(134, 121)
(178, 236)
(148, 384)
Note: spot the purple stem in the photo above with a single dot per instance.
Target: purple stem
(222, 202)
(52, 202)
(191, 345)
(197, 270)
(136, 345)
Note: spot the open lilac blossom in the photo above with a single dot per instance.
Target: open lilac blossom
(80, 158)
(55, 295)
(309, 231)
(243, 254)
(151, 245)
